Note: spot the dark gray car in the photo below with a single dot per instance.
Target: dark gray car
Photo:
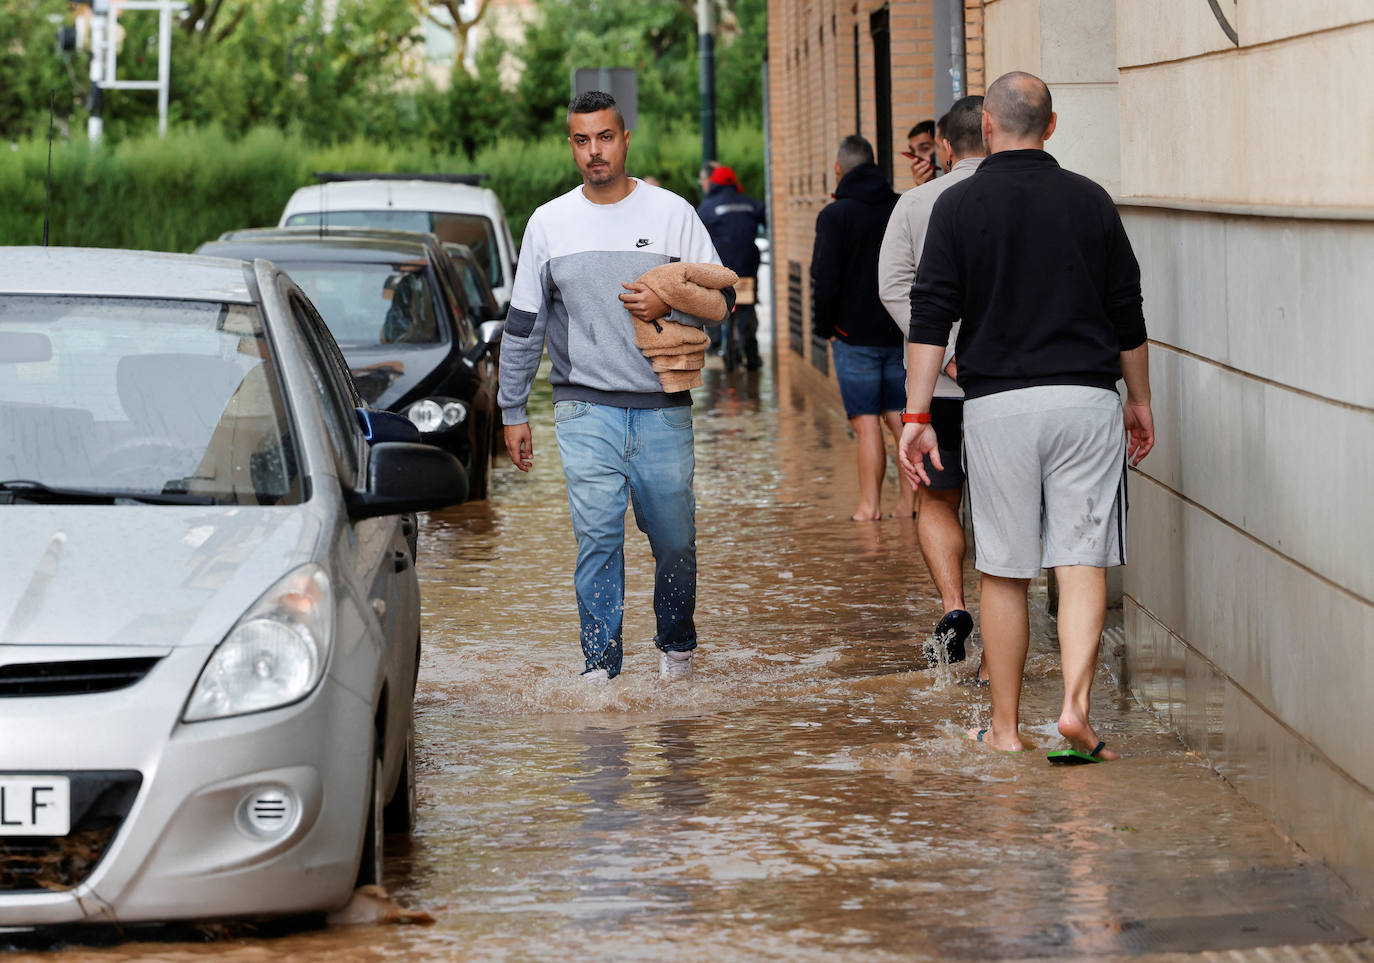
(398, 308)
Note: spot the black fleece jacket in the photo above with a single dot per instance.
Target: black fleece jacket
(1035, 260)
(844, 262)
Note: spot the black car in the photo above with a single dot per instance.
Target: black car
(474, 279)
(399, 308)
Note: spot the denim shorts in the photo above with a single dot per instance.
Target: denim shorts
(872, 378)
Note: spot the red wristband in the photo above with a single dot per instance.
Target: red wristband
(915, 417)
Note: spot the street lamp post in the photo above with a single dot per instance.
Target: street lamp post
(706, 53)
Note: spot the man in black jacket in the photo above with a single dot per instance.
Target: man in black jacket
(1036, 262)
(733, 219)
(847, 310)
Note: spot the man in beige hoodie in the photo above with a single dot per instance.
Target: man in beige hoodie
(938, 528)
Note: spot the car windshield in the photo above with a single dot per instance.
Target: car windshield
(141, 396)
(474, 230)
(370, 304)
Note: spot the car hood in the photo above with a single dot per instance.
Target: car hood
(386, 374)
(160, 576)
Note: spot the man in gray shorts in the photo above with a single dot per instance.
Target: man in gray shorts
(1036, 261)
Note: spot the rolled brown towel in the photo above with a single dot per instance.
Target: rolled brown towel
(668, 337)
(693, 289)
(681, 362)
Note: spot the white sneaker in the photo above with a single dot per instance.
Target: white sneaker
(595, 677)
(674, 666)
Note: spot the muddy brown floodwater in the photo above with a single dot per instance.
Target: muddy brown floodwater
(809, 794)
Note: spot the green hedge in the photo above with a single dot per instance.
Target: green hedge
(177, 193)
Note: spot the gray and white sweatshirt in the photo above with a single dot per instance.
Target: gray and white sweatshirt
(574, 256)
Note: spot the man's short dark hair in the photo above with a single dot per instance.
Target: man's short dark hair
(926, 127)
(940, 127)
(854, 150)
(592, 101)
(964, 129)
(1020, 103)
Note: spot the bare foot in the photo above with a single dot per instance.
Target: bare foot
(1081, 736)
(991, 737)
(865, 515)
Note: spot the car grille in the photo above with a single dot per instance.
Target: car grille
(100, 801)
(71, 678)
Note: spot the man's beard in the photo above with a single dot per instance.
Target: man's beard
(600, 176)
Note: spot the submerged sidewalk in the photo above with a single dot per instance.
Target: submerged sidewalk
(810, 794)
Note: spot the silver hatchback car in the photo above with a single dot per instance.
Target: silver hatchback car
(209, 614)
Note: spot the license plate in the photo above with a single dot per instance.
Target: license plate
(35, 806)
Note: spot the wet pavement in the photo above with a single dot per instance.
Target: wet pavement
(809, 795)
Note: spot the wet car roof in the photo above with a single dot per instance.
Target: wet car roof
(120, 273)
(392, 195)
(310, 247)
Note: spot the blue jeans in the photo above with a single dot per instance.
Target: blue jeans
(643, 456)
(872, 379)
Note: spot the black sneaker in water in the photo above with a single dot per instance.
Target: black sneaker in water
(951, 631)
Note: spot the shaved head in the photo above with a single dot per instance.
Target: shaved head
(1020, 105)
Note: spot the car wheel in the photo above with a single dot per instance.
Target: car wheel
(370, 862)
(399, 814)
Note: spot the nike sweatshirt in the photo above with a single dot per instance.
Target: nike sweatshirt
(573, 259)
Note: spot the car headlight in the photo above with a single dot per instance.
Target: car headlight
(274, 655)
(437, 414)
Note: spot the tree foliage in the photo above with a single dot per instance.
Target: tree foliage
(345, 69)
(32, 71)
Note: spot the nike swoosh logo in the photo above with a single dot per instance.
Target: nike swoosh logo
(643, 242)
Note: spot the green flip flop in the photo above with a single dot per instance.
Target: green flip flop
(1076, 757)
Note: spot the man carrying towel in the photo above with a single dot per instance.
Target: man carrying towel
(622, 437)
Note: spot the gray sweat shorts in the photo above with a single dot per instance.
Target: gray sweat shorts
(1046, 479)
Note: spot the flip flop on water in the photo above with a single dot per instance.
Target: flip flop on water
(975, 680)
(1074, 757)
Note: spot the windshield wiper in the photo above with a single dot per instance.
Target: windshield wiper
(34, 492)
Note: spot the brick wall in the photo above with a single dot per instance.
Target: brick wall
(816, 98)
(975, 73)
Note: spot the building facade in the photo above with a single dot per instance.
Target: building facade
(1237, 141)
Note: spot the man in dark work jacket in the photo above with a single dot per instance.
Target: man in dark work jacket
(847, 310)
(1036, 262)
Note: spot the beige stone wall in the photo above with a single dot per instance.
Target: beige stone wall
(1203, 122)
(1249, 594)
(1070, 44)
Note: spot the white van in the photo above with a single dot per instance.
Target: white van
(450, 206)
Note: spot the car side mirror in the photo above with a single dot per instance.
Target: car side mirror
(489, 332)
(404, 477)
(382, 426)
(488, 337)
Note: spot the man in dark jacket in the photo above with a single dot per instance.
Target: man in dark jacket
(733, 219)
(1035, 260)
(847, 310)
